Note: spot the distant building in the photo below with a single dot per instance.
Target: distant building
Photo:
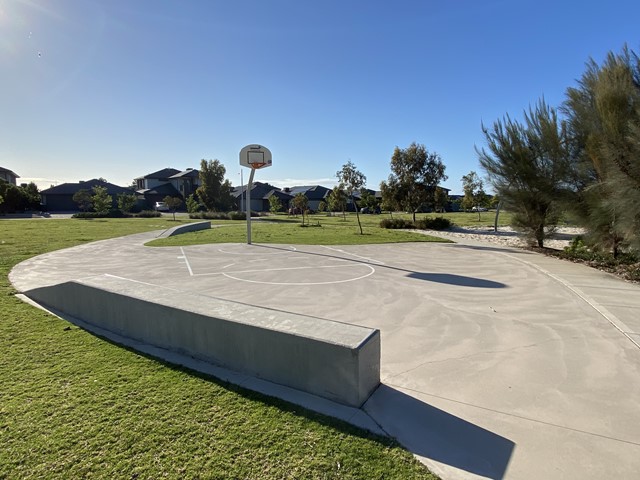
(60, 197)
(314, 193)
(260, 194)
(170, 182)
(8, 176)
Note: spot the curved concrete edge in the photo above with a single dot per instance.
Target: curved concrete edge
(352, 415)
(187, 227)
(336, 361)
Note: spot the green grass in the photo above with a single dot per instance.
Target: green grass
(321, 229)
(73, 405)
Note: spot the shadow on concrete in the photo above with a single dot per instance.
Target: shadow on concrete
(447, 278)
(485, 249)
(457, 280)
(437, 435)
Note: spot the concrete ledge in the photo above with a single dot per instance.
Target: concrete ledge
(337, 361)
(187, 227)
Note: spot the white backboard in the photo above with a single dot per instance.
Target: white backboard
(255, 156)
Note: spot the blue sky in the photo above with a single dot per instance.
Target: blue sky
(121, 88)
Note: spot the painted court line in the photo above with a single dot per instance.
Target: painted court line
(370, 260)
(186, 261)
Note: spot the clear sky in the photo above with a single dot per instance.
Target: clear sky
(121, 88)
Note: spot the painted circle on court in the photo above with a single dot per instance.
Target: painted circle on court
(299, 275)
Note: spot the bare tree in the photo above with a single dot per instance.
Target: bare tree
(352, 180)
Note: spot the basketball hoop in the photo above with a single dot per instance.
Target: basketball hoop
(255, 157)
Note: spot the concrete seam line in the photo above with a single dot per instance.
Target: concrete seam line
(598, 308)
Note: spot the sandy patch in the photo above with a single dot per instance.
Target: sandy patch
(505, 236)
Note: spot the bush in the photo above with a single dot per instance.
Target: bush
(438, 223)
(395, 223)
(89, 215)
(210, 215)
(115, 213)
(224, 215)
(237, 215)
(149, 214)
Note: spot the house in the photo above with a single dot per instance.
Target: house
(60, 197)
(170, 182)
(314, 193)
(8, 176)
(260, 194)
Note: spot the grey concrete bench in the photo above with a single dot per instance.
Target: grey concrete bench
(334, 360)
(187, 227)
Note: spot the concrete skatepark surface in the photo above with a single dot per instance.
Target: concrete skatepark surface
(496, 362)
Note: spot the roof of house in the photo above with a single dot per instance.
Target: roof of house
(189, 172)
(9, 171)
(71, 188)
(161, 174)
(164, 189)
(312, 192)
(278, 193)
(258, 190)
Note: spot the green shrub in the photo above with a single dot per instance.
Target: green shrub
(86, 215)
(210, 215)
(438, 223)
(115, 213)
(237, 215)
(395, 223)
(149, 214)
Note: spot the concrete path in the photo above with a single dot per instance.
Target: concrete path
(496, 363)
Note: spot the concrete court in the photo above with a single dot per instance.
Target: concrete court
(496, 362)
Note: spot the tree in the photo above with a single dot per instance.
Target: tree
(391, 195)
(192, 204)
(604, 120)
(368, 200)
(351, 180)
(31, 195)
(275, 205)
(214, 191)
(441, 199)
(528, 166)
(83, 198)
(473, 189)
(299, 203)
(101, 200)
(338, 201)
(126, 202)
(322, 206)
(415, 174)
(173, 203)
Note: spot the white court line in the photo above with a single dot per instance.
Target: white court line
(140, 282)
(291, 284)
(261, 270)
(291, 249)
(186, 260)
(371, 260)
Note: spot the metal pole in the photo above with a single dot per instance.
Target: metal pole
(241, 192)
(248, 205)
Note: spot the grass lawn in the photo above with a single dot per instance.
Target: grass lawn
(75, 406)
(318, 230)
(322, 229)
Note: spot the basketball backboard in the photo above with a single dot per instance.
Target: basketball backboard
(255, 156)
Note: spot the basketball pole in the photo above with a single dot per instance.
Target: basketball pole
(248, 205)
